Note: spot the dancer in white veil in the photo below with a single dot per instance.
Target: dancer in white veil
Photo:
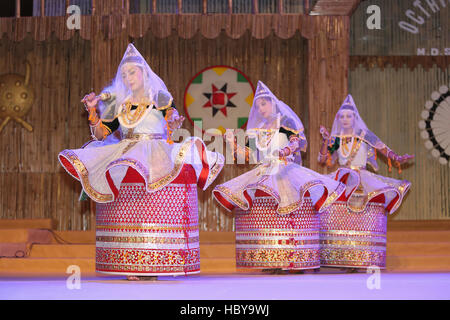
(133, 138)
(355, 146)
(279, 191)
(278, 135)
(353, 229)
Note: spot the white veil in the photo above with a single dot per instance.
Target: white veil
(155, 89)
(360, 130)
(282, 115)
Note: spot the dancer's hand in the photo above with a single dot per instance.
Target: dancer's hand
(90, 100)
(175, 121)
(324, 133)
(403, 159)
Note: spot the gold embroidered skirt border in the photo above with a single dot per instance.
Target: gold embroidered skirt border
(143, 233)
(353, 239)
(266, 239)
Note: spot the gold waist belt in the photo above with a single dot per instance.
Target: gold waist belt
(357, 168)
(144, 136)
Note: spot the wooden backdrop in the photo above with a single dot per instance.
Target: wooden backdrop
(32, 184)
(306, 67)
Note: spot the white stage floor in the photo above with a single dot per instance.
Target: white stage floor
(321, 285)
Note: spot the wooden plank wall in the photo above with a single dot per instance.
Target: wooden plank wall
(32, 183)
(390, 102)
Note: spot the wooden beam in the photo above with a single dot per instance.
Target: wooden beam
(42, 8)
(154, 8)
(180, 6)
(334, 8)
(306, 6)
(255, 7)
(17, 8)
(280, 6)
(205, 6)
(93, 8)
(230, 6)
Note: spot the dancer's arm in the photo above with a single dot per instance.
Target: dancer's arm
(174, 120)
(99, 129)
(294, 145)
(323, 153)
(388, 153)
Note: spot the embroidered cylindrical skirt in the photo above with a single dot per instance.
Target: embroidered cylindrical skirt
(143, 233)
(266, 239)
(353, 239)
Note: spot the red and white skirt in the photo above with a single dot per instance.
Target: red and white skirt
(354, 239)
(142, 233)
(266, 239)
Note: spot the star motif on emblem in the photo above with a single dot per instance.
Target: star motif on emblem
(219, 100)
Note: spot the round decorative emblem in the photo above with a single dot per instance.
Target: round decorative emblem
(435, 125)
(218, 98)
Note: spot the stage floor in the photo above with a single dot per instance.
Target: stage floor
(329, 285)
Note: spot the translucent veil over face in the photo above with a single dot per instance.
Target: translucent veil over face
(360, 130)
(154, 88)
(269, 113)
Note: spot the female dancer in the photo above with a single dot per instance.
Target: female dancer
(353, 229)
(276, 219)
(143, 183)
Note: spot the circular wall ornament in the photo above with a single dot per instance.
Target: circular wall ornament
(219, 97)
(435, 125)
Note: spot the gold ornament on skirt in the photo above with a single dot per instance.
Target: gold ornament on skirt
(16, 98)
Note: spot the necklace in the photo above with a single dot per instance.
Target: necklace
(344, 150)
(353, 151)
(129, 117)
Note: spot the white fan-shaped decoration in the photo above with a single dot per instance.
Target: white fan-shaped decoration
(435, 126)
(428, 104)
(428, 144)
(424, 134)
(435, 95)
(435, 153)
